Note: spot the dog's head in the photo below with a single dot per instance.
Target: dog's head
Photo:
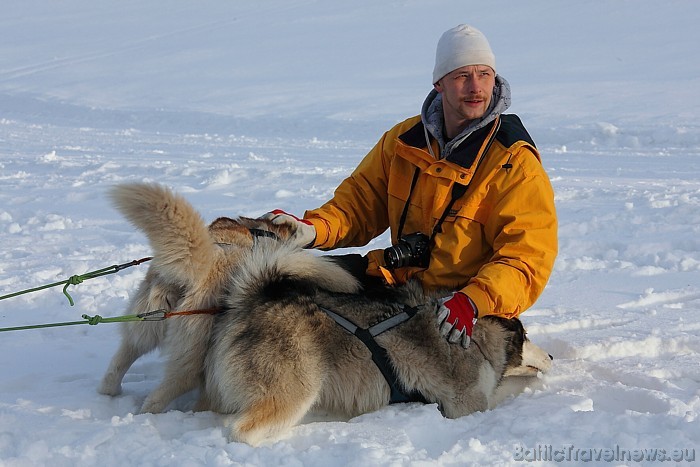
(515, 337)
(523, 358)
(242, 231)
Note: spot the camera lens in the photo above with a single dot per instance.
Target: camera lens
(397, 256)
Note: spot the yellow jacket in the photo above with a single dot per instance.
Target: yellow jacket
(499, 240)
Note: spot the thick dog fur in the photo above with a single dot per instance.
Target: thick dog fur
(190, 268)
(273, 354)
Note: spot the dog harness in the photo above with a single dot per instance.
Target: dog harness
(367, 335)
(380, 357)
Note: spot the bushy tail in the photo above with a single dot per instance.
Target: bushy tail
(177, 233)
(271, 264)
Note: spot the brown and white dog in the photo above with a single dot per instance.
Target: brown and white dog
(276, 350)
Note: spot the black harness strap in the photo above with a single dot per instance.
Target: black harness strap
(380, 357)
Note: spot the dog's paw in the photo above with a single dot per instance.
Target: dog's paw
(152, 405)
(109, 387)
(528, 371)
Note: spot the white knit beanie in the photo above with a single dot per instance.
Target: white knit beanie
(461, 46)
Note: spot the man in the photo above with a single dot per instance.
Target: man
(462, 182)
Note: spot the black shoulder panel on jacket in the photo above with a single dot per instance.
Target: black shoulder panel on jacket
(512, 131)
(465, 154)
(415, 136)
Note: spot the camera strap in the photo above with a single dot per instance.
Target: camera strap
(458, 190)
(402, 221)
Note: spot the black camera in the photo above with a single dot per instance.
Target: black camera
(413, 250)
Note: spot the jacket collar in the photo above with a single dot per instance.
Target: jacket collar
(464, 155)
(433, 120)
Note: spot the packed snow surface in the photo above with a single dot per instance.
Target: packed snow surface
(247, 106)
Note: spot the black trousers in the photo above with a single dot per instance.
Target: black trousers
(356, 265)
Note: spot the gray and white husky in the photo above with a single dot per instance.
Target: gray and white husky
(276, 349)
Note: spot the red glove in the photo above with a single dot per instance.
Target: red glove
(304, 232)
(456, 318)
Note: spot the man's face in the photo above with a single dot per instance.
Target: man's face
(466, 94)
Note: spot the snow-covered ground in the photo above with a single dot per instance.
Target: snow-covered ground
(252, 105)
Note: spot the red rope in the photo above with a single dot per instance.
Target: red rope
(205, 311)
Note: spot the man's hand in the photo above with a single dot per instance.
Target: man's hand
(456, 318)
(304, 231)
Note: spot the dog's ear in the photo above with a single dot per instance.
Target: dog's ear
(512, 324)
(516, 338)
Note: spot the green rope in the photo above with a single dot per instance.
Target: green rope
(156, 315)
(78, 279)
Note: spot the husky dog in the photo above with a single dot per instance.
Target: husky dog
(277, 348)
(189, 271)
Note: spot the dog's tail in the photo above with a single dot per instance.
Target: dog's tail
(177, 233)
(277, 268)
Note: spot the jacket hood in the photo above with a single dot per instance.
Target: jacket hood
(433, 119)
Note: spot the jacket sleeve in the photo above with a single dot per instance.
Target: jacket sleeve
(358, 210)
(522, 230)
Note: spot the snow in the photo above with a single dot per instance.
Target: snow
(248, 106)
